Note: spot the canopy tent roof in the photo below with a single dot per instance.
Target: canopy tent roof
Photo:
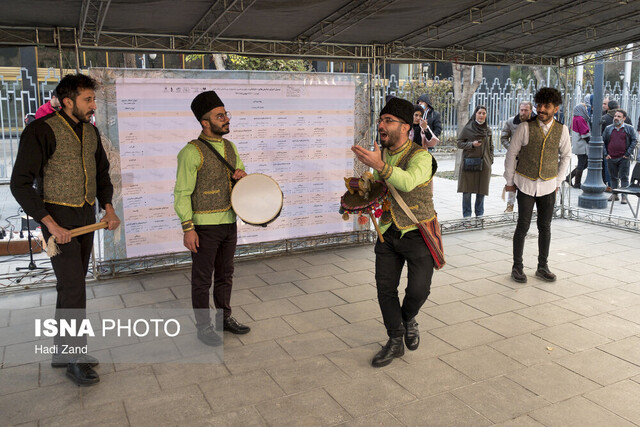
(479, 31)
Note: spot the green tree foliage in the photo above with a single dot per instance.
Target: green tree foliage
(438, 90)
(237, 62)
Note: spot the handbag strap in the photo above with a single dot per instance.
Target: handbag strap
(218, 155)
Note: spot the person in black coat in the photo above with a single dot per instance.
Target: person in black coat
(430, 115)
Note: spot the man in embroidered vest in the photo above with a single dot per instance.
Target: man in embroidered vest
(408, 167)
(542, 148)
(63, 154)
(202, 200)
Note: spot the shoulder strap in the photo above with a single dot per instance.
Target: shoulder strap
(402, 203)
(218, 155)
(397, 196)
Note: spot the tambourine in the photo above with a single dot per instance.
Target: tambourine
(354, 203)
(257, 199)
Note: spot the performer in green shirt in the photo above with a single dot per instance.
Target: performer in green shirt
(202, 200)
(408, 167)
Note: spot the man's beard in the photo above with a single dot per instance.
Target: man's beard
(545, 117)
(391, 140)
(524, 118)
(78, 115)
(219, 130)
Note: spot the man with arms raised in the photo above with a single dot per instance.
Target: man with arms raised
(535, 165)
(408, 167)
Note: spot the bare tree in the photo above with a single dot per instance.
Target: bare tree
(463, 89)
(130, 60)
(218, 59)
(539, 74)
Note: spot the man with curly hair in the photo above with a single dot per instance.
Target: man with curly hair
(62, 152)
(543, 149)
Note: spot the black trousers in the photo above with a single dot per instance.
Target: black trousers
(214, 258)
(390, 258)
(71, 267)
(544, 205)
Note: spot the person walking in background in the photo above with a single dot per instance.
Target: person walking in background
(619, 142)
(477, 157)
(580, 135)
(525, 111)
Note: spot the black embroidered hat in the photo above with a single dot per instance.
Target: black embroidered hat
(401, 108)
(205, 102)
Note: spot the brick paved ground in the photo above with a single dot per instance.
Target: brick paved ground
(492, 351)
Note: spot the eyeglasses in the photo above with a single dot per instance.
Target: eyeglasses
(388, 120)
(221, 116)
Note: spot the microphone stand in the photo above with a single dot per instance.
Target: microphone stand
(32, 264)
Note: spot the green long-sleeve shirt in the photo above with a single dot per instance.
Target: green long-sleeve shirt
(189, 161)
(418, 172)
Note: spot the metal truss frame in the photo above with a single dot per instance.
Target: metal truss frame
(616, 55)
(92, 15)
(341, 20)
(218, 18)
(396, 51)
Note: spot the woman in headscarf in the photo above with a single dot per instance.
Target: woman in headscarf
(414, 134)
(476, 143)
(420, 132)
(580, 135)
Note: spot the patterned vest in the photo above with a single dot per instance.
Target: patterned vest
(419, 200)
(69, 177)
(213, 183)
(539, 158)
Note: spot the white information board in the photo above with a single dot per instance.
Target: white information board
(298, 131)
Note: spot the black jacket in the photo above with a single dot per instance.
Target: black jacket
(433, 117)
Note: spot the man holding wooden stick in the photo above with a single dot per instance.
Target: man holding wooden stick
(62, 152)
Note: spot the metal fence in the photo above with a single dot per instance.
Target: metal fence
(502, 100)
(17, 99)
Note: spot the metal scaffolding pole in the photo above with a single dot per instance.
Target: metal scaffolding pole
(593, 196)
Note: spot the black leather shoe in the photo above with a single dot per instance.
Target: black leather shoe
(518, 275)
(392, 349)
(412, 334)
(545, 274)
(208, 336)
(59, 361)
(235, 327)
(82, 374)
